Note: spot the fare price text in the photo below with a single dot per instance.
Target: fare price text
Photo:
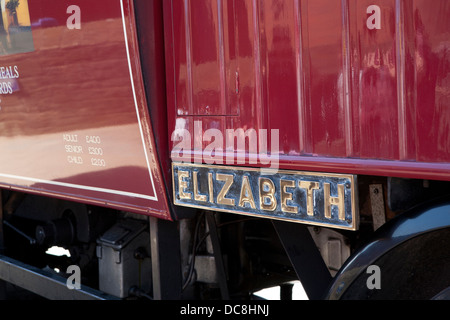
(82, 149)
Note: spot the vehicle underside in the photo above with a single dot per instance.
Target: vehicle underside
(212, 255)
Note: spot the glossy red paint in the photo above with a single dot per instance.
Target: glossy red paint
(345, 97)
(149, 23)
(76, 125)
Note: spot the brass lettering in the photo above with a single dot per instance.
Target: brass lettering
(246, 194)
(182, 185)
(285, 196)
(309, 186)
(197, 195)
(269, 194)
(337, 201)
(221, 198)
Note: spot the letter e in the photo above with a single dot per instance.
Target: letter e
(374, 281)
(74, 281)
(74, 21)
(374, 21)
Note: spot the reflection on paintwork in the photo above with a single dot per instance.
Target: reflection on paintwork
(15, 27)
(75, 122)
(336, 87)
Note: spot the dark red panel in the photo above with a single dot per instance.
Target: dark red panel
(339, 80)
(378, 83)
(76, 125)
(432, 64)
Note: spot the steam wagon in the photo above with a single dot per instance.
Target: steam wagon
(208, 149)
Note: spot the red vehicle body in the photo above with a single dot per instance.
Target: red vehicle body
(315, 71)
(115, 120)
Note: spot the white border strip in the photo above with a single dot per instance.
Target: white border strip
(135, 101)
(71, 185)
(96, 189)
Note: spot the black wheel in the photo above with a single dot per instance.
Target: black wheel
(418, 269)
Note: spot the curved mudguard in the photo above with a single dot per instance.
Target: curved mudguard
(74, 121)
(416, 222)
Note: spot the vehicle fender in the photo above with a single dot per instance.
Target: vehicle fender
(416, 222)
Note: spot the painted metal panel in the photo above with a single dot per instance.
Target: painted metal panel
(352, 86)
(75, 124)
(204, 72)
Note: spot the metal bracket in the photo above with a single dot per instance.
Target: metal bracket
(210, 218)
(45, 284)
(377, 205)
(166, 259)
(305, 258)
